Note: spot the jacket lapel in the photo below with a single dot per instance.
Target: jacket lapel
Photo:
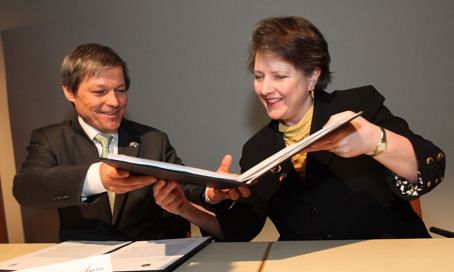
(324, 107)
(92, 152)
(286, 166)
(128, 144)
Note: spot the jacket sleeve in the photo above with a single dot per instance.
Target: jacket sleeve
(43, 182)
(431, 159)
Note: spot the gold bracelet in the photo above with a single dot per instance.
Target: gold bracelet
(381, 145)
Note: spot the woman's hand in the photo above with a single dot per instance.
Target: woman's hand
(215, 195)
(356, 138)
(170, 196)
(361, 137)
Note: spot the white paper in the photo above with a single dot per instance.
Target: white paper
(126, 256)
(153, 255)
(99, 263)
(170, 166)
(285, 153)
(62, 252)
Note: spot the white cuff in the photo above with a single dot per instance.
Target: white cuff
(92, 183)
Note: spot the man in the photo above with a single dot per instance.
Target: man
(62, 170)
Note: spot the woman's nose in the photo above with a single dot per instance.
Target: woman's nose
(266, 87)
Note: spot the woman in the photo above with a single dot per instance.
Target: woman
(355, 184)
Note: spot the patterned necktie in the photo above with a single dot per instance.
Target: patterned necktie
(104, 140)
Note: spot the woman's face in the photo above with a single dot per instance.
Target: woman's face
(282, 88)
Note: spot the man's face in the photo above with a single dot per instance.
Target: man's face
(101, 99)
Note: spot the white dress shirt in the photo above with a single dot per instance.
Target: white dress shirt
(92, 182)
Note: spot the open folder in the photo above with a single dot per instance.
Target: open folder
(153, 255)
(187, 174)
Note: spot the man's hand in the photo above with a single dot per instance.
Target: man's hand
(217, 195)
(120, 181)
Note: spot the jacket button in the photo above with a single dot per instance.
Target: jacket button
(329, 236)
(440, 156)
(314, 211)
(282, 177)
(276, 170)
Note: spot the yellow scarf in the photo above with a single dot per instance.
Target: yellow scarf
(294, 134)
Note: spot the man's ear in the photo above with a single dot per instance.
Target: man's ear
(69, 94)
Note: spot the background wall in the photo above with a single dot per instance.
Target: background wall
(188, 67)
(12, 211)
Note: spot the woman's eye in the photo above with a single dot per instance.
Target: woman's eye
(258, 77)
(280, 76)
(121, 91)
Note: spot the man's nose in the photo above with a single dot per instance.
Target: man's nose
(112, 98)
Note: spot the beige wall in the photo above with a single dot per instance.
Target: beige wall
(7, 168)
(184, 56)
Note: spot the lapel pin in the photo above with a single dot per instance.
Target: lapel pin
(134, 144)
(282, 177)
(276, 169)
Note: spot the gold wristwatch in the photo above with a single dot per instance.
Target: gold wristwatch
(381, 145)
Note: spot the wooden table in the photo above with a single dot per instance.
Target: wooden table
(9, 251)
(369, 255)
(400, 255)
(221, 257)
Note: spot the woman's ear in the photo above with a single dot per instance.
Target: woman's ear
(314, 78)
(316, 73)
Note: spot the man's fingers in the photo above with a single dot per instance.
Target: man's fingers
(114, 172)
(122, 173)
(140, 180)
(124, 185)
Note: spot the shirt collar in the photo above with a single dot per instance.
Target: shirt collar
(91, 131)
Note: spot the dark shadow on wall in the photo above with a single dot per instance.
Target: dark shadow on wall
(42, 225)
(256, 114)
(3, 231)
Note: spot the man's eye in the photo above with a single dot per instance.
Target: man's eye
(99, 92)
(121, 91)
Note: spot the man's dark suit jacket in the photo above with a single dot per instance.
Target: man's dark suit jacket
(53, 173)
(340, 198)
